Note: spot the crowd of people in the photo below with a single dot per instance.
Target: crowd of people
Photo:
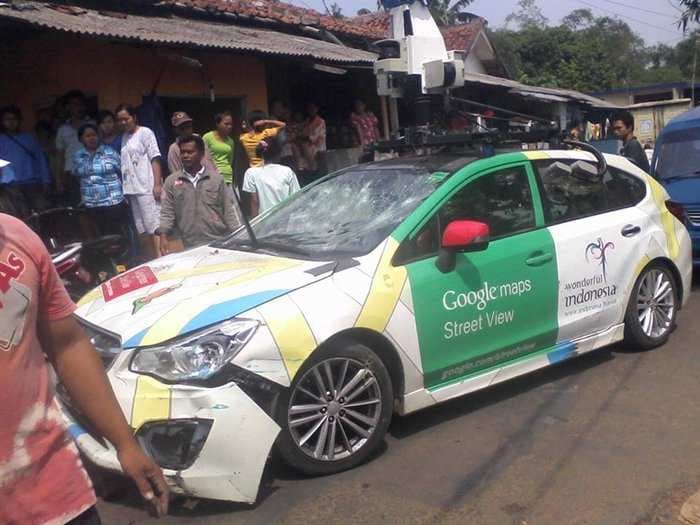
(113, 167)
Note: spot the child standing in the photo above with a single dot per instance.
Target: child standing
(271, 183)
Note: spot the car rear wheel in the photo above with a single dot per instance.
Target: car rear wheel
(651, 313)
(338, 410)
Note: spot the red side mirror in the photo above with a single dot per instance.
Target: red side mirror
(460, 235)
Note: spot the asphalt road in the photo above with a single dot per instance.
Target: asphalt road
(610, 438)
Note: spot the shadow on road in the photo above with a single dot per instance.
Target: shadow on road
(403, 427)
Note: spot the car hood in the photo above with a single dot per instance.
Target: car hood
(684, 191)
(185, 292)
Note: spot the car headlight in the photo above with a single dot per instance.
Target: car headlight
(197, 357)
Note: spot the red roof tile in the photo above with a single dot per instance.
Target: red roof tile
(280, 12)
(462, 36)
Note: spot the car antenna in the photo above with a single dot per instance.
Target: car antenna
(246, 222)
(584, 146)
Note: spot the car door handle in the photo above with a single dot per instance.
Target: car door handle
(539, 258)
(631, 231)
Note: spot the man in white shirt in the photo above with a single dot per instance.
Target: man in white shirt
(67, 144)
(271, 183)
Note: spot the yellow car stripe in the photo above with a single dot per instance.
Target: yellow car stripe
(667, 219)
(151, 401)
(90, 297)
(536, 155)
(641, 265)
(172, 323)
(385, 291)
(291, 332)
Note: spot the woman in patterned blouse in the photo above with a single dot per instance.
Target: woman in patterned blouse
(98, 167)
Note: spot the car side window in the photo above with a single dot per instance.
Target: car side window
(623, 190)
(566, 197)
(501, 199)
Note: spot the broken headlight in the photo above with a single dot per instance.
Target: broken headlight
(197, 357)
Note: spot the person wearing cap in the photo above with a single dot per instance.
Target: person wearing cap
(183, 126)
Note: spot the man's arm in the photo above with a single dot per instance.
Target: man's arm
(273, 123)
(174, 162)
(254, 205)
(157, 179)
(249, 186)
(168, 215)
(80, 370)
(61, 154)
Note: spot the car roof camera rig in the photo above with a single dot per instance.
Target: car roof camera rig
(415, 62)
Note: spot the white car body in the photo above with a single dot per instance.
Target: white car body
(302, 304)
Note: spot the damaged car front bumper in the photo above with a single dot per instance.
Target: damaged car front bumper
(211, 442)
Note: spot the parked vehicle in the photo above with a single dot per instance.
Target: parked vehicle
(83, 258)
(386, 287)
(676, 165)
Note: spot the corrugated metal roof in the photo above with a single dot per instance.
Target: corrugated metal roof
(525, 90)
(181, 32)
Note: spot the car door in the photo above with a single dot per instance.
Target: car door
(597, 230)
(499, 303)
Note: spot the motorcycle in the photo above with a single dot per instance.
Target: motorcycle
(83, 258)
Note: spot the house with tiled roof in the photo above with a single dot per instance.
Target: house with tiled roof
(198, 56)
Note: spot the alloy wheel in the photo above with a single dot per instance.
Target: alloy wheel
(334, 409)
(656, 303)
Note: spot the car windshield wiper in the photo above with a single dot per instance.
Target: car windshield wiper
(281, 247)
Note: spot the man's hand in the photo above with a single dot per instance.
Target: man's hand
(80, 370)
(148, 477)
(157, 191)
(164, 247)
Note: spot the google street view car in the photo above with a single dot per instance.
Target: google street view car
(384, 288)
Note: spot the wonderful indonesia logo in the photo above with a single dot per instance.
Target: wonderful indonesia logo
(591, 292)
(598, 251)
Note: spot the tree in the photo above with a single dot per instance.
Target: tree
(445, 12)
(528, 15)
(578, 19)
(690, 13)
(588, 53)
(334, 9)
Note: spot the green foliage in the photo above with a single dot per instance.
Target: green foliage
(586, 53)
(528, 15)
(691, 12)
(445, 12)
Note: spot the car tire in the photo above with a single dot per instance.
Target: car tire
(653, 305)
(355, 415)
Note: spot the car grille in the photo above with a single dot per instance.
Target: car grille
(694, 216)
(107, 344)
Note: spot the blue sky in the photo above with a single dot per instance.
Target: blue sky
(654, 20)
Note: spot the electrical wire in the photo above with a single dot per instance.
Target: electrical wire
(651, 12)
(637, 20)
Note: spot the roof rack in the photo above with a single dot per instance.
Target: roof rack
(422, 138)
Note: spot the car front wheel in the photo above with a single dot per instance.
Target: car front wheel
(338, 410)
(651, 313)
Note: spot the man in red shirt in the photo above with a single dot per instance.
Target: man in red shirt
(42, 479)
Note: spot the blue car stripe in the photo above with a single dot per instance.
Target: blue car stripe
(563, 351)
